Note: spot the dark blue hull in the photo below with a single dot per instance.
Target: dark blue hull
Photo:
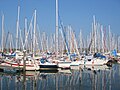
(48, 67)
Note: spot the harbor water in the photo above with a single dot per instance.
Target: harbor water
(66, 79)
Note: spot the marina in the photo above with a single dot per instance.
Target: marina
(69, 79)
(32, 59)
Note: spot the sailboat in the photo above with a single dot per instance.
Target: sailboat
(96, 59)
(29, 65)
(29, 62)
(62, 63)
(46, 64)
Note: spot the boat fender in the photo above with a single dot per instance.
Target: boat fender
(14, 59)
(56, 62)
(93, 62)
(38, 63)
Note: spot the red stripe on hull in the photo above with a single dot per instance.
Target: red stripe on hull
(16, 64)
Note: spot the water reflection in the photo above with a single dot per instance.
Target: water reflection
(85, 78)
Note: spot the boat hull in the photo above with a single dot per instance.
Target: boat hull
(94, 62)
(64, 64)
(29, 67)
(48, 67)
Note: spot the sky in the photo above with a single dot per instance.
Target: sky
(77, 13)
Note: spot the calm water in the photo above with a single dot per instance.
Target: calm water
(75, 79)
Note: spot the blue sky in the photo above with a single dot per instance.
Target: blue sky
(77, 13)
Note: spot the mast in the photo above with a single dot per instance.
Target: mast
(81, 45)
(56, 28)
(34, 33)
(99, 38)
(118, 43)
(102, 39)
(56, 38)
(109, 39)
(2, 31)
(17, 27)
(26, 35)
(94, 31)
(92, 44)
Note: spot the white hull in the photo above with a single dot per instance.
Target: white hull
(64, 64)
(29, 67)
(103, 67)
(119, 62)
(75, 63)
(93, 62)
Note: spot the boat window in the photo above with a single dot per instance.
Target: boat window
(89, 59)
(42, 61)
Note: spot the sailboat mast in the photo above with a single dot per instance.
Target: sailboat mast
(102, 39)
(94, 31)
(56, 37)
(109, 39)
(34, 37)
(81, 43)
(2, 31)
(17, 27)
(56, 27)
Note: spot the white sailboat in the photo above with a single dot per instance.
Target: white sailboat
(46, 64)
(92, 60)
(61, 63)
(64, 64)
(103, 67)
(30, 62)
